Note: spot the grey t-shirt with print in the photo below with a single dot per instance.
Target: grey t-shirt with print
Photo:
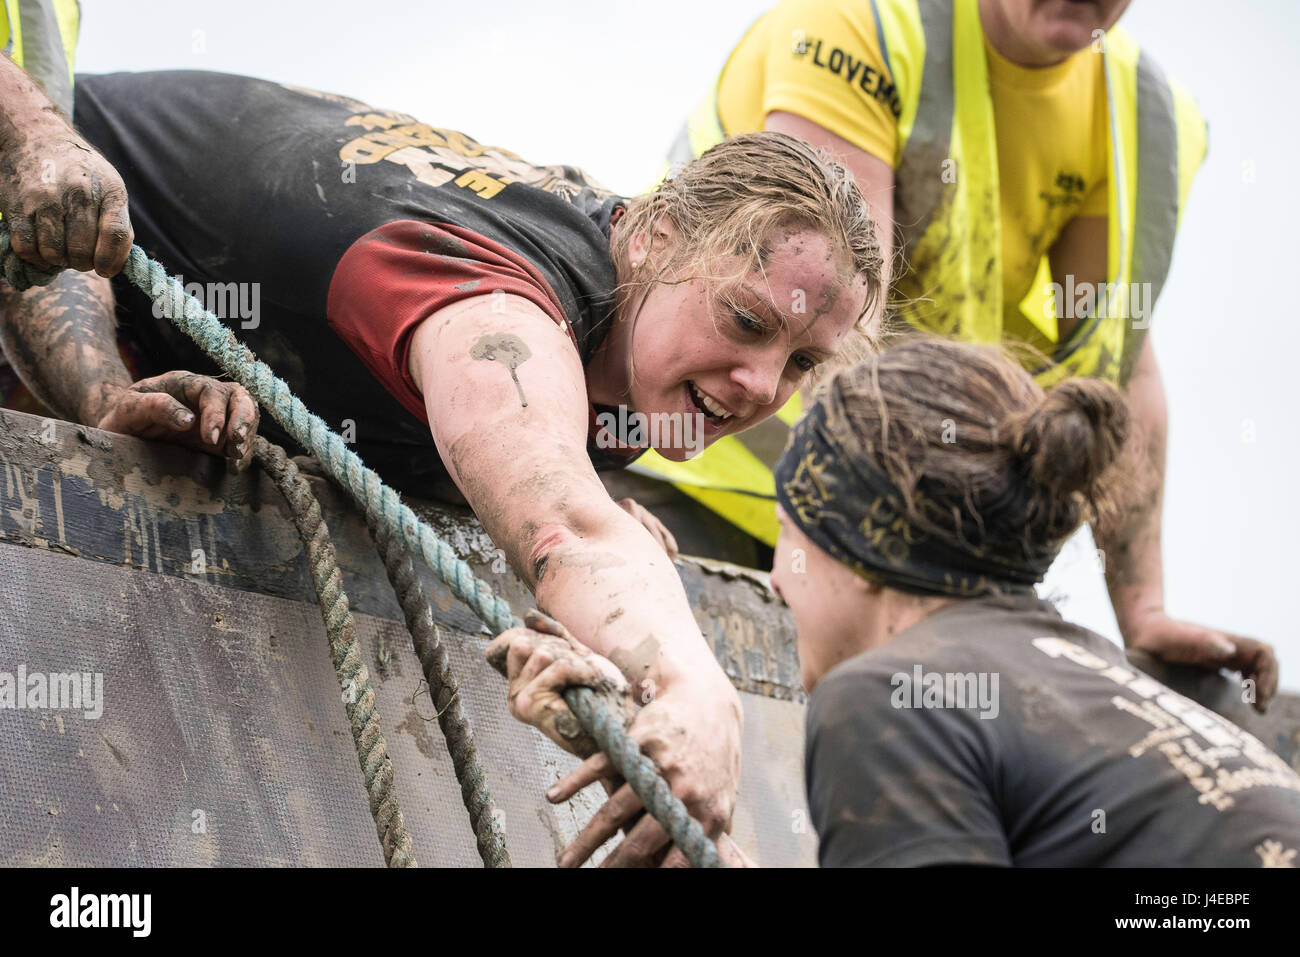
(994, 732)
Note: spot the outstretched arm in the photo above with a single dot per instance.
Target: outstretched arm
(1134, 570)
(1131, 545)
(507, 403)
(61, 340)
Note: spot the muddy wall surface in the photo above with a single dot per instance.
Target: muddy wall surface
(223, 738)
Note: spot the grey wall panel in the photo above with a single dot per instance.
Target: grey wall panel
(223, 701)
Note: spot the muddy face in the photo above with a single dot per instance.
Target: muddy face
(734, 356)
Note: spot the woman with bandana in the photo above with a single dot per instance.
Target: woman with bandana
(1031, 164)
(956, 718)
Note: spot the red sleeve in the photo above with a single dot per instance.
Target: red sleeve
(394, 277)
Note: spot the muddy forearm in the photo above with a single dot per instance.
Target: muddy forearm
(1134, 561)
(61, 340)
(25, 107)
(617, 589)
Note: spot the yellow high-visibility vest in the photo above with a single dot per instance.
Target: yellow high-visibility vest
(934, 51)
(41, 37)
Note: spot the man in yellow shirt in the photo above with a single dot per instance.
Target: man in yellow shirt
(1031, 186)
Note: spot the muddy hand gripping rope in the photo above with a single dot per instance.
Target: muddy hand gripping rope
(374, 497)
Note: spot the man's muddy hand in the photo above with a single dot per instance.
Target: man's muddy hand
(198, 411)
(64, 204)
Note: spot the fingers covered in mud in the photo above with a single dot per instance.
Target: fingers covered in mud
(679, 730)
(678, 739)
(642, 847)
(646, 844)
(64, 204)
(1257, 662)
(598, 767)
(208, 414)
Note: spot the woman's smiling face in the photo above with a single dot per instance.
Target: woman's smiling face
(734, 355)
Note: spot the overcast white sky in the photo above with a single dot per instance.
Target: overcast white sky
(605, 84)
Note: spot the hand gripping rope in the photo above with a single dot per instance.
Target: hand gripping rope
(385, 511)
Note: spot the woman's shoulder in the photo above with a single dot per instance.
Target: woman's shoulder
(964, 642)
(972, 630)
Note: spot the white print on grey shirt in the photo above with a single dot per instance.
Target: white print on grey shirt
(1218, 758)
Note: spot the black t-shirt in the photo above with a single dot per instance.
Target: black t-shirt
(994, 732)
(256, 192)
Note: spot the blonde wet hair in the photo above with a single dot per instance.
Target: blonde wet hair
(732, 202)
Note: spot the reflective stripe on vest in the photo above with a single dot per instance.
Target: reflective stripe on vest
(1157, 189)
(918, 179)
(1144, 203)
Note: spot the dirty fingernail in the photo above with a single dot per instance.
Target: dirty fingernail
(241, 433)
(214, 435)
(184, 417)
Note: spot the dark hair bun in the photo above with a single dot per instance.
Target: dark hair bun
(1076, 433)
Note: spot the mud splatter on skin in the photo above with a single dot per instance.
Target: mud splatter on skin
(61, 340)
(593, 562)
(504, 347)
(636, 661)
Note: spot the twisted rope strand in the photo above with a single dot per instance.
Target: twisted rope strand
(436, 664)
(353, 677)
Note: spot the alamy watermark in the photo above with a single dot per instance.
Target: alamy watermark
(658, 430)
(1083, 300)
(56, 691)
(133, 912)
(947, 689)
(226, 300)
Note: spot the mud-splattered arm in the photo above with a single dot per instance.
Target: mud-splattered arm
(61, 339)
(525, 470)
(64, 203)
